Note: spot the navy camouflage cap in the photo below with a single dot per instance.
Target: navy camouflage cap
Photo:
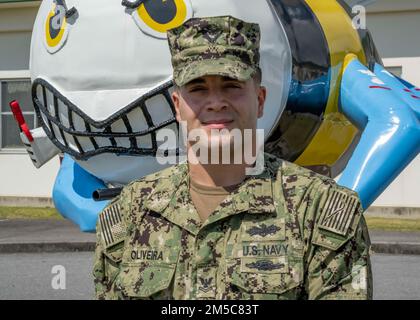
(224, 46)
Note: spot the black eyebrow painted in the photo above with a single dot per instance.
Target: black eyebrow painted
(196, 81)
(69, 12)
(230, 79)
(132, 4)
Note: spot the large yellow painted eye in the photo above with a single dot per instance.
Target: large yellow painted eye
(155, 17)
(56, 28)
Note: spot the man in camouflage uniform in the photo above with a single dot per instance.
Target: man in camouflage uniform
(211, 232)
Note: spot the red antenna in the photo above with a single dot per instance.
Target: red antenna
(17, 113)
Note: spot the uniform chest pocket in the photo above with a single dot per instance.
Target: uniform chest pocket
(147, 272)
(146, 280)
(262, 262)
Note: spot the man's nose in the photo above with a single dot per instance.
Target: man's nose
(217, 101)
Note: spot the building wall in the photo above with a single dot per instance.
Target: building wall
(18, 176)
(401, 28)
(395, 27)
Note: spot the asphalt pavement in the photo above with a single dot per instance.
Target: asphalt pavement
(49, 235)
(29, 276)
(32, 250)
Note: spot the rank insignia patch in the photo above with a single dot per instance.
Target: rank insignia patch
(111, 225)
(339, 211)
(206, 283)
(265, 265)
(264, 230)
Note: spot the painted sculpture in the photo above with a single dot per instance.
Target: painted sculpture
(101, 84)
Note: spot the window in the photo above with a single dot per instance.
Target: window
(15, 89)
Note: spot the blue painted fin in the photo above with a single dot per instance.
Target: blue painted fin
(390, 127)
(72, 195)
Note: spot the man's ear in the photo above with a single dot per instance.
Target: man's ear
(176, 100)
(262, 94)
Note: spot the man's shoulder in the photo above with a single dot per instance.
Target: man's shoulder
(114, 219)
(167, 176)
(292, 174)
(299, 181)
(334, 210)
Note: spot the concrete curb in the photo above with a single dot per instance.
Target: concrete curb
(396, 248)
(50, 247)
(46, 247)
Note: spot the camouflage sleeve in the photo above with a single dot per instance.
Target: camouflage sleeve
(338, 263)
(110, 235)
(101, 280)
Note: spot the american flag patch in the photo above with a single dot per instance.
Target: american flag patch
(338, 212)
(112, 226)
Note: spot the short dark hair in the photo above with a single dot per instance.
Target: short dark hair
(257, 77)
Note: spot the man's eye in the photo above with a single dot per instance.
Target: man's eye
(233, 85)
(196, 89)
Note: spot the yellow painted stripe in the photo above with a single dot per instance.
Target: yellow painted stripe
(336, 133)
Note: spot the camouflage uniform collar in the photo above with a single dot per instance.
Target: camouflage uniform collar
(254, 195)
(165, 180)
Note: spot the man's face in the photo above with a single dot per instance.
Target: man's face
(215, 102)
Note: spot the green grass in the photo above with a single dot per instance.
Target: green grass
(28, 213)
(392, 224)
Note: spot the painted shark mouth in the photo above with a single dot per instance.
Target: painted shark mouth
(130, 131)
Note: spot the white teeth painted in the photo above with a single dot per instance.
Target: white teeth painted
(50, 102)
(78, 122)
(44, 118)
(94, 129)
(63, 114)
(57, 133)
(103, 142)
(40, 97)
(137, 120)
(86, 144)
(123, 142)
(71, 142)
(159, 109)
(144, 141)
(119, 127)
